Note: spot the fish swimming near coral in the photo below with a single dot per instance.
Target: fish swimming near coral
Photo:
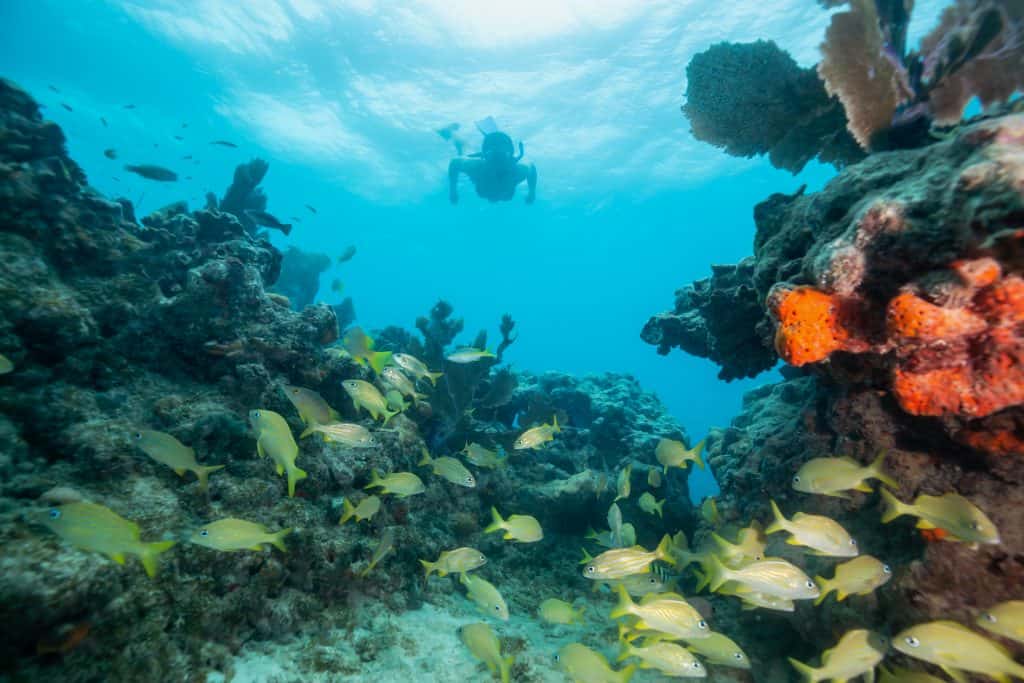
(152, 172)
(485, 595)
(110, 153)
(955, 649)
(898, 675)
(385, 546)
(749, 547)
(555, 611)
(654, 478)
(959, 517)
(583, 665)
(649, 504)
(400, 484)
(483, 457)
(467, 355)
(857, 653)
(392, 376)
(720, 649)
(312, 209)
(348, 433)
(365, 395)
(347, 254)
(448, 468)
(536, 437)
(224, 143)
(415, 367)
(99, 529)
(458, 561)
(773, 576)
(709, 511)
(667, 613)
(484, 645)
(521, 528)
(360, 346)
(269, 221)
(167, 450)
(624, 483)
(312, 408)
(274, 439)
(859, 576)
(672, 453)
(231, 535)
(821, 534)
(836, 476)
(366, 509)
(1005, 619)
(668, 658)
(620, 562)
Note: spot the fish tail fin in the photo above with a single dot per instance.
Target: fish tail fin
(554, 424)
(202, 474)
(702, 579)
(429, 567)
(388, 414)
(664, 550)
(587, 557)
(425, 459)
(433, 377)
(375, 480)
(417, 397)
(825, 587)
(497, 524)
(625, 649)
(505, 668)
(347, 510)
(780, 520)
(294, 475)
(277, 539)
(718, 574)
(660, 508)
(150, 553)
(627, 673)
(625, 604)
(308, 430)
(696, 451)
(378, 359)
(808, 674)
(893, 507)
(877, 469)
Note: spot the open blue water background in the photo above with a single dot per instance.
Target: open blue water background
(343, 97)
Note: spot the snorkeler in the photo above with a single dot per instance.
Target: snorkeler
(495, 170)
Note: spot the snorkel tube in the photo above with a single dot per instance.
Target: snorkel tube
(521, 152)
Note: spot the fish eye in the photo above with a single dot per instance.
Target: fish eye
(591, 569)
(138, 435)
(853, 542)
(702, 624)
(54, 513)
(497, 608)
(557, 658)
(469, 480)
(976, 526)
(810, 584)
(796, 480)
(695, 665)
(912, 641)
(737, 656)
(887, 569)
(652, 580)
(758, 558)
(204, 532)
(989, 617)
(255, 413)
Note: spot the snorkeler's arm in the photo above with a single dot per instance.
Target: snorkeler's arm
(454, 168)
(531, 183)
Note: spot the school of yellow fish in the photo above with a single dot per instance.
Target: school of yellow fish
(661, 630)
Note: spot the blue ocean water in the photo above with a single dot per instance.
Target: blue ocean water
(344, 98)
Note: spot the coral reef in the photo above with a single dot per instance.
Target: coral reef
(244, 194)
(114, 326)
(300, 276)
(753, 99)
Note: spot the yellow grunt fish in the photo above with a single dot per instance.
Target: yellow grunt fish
(415, 367)
(749, 547)
(720, 649)
(622, 487)
(555, 611)
(672, 453)
(835, 476)
(955, 649)
(400, 484)
(365, 395)
(709, 511)
(313, 409)
(460, 560)
(366, 509)
(353, 435)
(620, 562)
(386, 545)
(583, 665)
(859, 576)
(274, 439)
(823, 535)
(1005, 619)
(360, 346)
(394, 400)
(898, 675)
(448, 468)
(167, 450)
(482, 457)
(773, 576)
(522, 528)
(484, 645)
(665, 612)
(951, 512)
(536, 437)
(639, 585)
(668, 658)
(99, 529)
(485, 595)
(232, 534)
(650, 505)
(857, 653)
(394, 377)
(469, 355)
(654, 478)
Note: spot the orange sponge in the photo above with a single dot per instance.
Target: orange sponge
(810, 325)
(911, 317)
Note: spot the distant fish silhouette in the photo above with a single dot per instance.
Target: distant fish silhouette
(347, 255)
(268, 221)
(294, 219)
(129, 106)
(153, 172)
(178, 138)
(103, 121)
(310, 208)
(187, 156)
(110, 153)
(54, 88)
(184, 125)
(188, 177)
(68, 107)
(224, 143)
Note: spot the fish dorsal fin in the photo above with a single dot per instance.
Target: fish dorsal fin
(675, 597)
(922, 524)
(847, 459)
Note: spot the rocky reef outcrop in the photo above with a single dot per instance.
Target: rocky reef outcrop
(114, 325)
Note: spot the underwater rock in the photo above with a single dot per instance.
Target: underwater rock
(300, 276)
(244, 193)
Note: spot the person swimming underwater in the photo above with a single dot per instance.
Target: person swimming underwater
(495, 170)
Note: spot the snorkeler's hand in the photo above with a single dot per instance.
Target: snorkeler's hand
(530, 197)
(453, 196)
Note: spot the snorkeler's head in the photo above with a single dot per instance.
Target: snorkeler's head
(498, 148)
